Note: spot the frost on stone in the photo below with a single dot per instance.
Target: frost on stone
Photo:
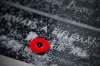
(79, 52)
(14, 45)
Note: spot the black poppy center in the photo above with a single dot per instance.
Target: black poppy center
(39, 44)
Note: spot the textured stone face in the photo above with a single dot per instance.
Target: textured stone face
(71, 45)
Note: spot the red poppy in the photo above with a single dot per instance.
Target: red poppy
(39, 45)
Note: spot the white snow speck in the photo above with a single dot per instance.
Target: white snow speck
(31, 36)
